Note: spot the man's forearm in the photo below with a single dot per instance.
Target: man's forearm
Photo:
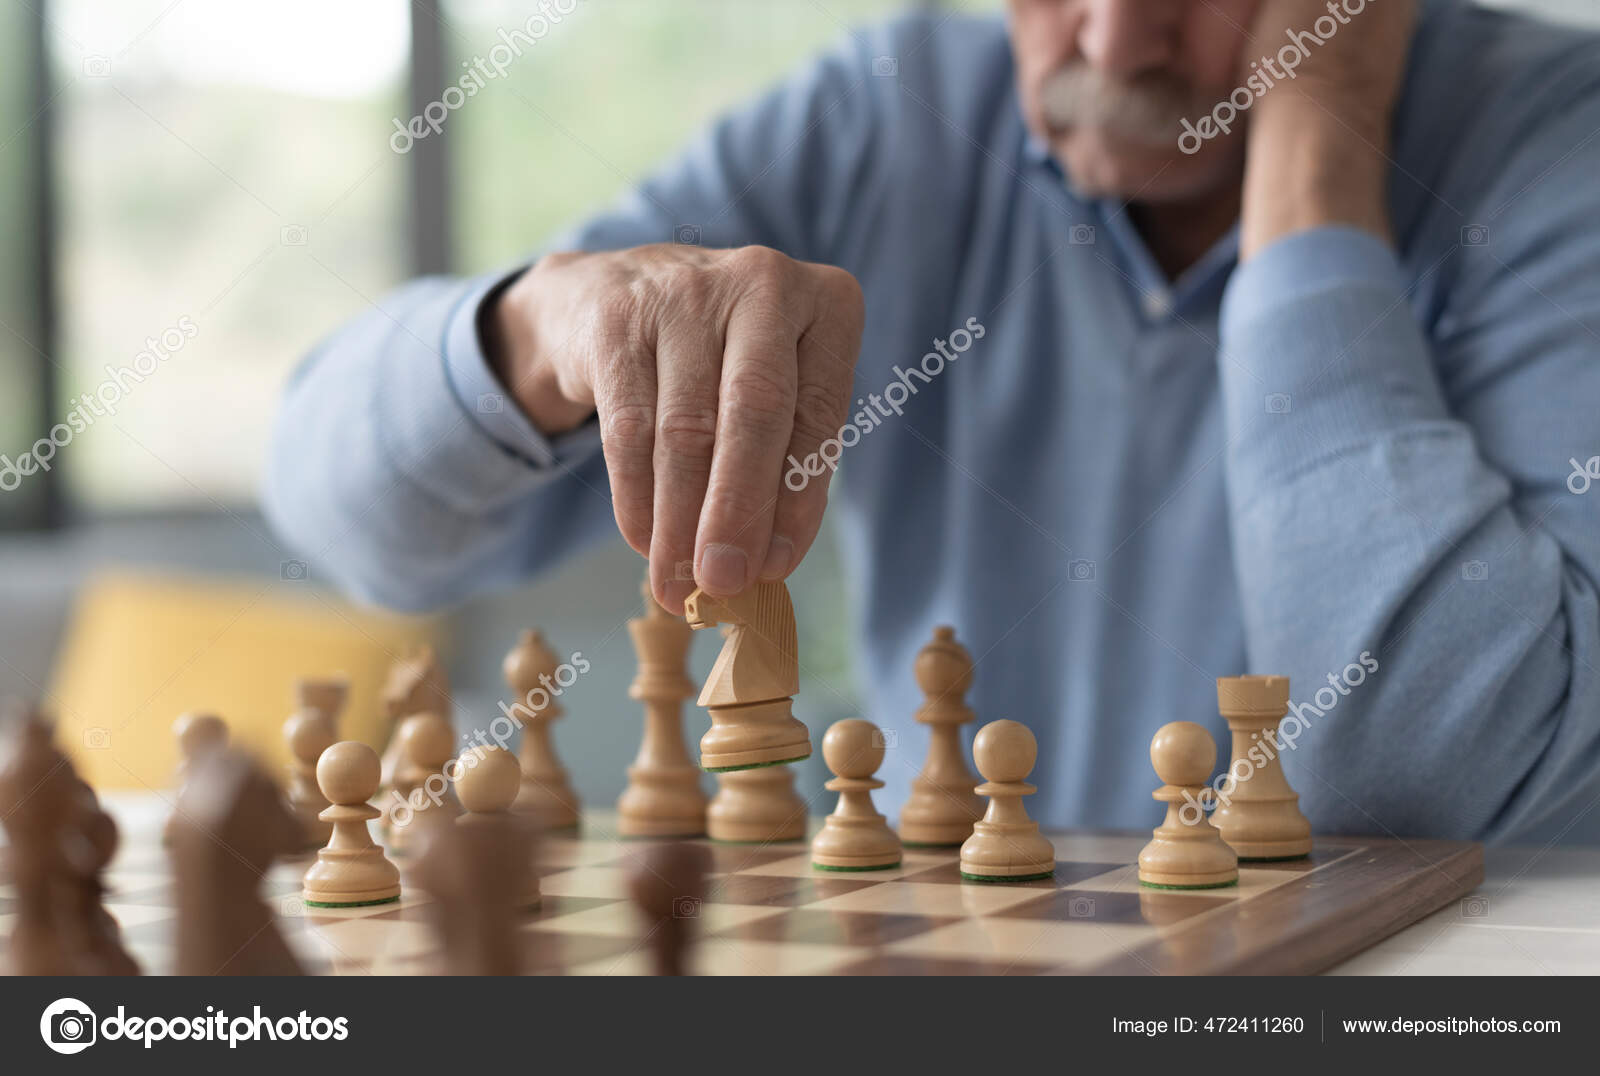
(1364, 518)
(1318, 174)
(1318, 143)
(522, 347)
(390, 481)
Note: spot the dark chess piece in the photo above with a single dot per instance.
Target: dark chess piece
(668, 885)
(232, 823)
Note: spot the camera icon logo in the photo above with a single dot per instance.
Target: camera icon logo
(683, 571)
(292, 235)
(68, 1026)
(1081, 235)
(687, 235)
(1474, 907)
(686, 907)
(96, 739)
(1474, 235)
(1474, 571)
(491, 403)
(1277, 403)
(1080, 571)
(1080, 908)
(96, 67)
(885, 67)
(888, 739)
(292, 571)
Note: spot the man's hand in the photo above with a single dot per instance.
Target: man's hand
(1318, 150)
(707, 369)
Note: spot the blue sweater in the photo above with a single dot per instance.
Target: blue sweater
(1343, 462)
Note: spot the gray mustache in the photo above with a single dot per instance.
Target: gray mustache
(1149, 109)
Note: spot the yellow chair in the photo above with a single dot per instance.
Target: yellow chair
(140, 650)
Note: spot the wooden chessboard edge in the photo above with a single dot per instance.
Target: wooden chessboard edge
(1398, 883)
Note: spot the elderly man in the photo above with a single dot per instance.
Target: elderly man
(1145, 341)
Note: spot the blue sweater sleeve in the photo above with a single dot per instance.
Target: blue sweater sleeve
(398, 465)
(1403, 494)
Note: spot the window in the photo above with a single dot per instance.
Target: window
(24, 350)
(616, 87)
(227, 196)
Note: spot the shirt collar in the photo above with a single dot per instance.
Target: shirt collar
(1139, 263)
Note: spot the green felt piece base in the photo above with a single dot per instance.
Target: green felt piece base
(1274, 859)
(1208, 885)
(351, 904)
(1007, 878)
(851, 870)
(755, 765)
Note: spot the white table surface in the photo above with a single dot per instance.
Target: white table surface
(1536, 913)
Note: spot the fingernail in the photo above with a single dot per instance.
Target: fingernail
(672, 594)
(723, 568)
(779, 555)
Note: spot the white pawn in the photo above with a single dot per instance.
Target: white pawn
(487, 789)
(426, 744)
(199, 735)
(308, 733)
(1188, 851)
(1006, 845)
(352, 870)
(855, 837)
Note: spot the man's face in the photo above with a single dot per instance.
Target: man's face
(1109, 82)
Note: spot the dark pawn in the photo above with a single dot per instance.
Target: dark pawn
(668, 885)
(478, 876)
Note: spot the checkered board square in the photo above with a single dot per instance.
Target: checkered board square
(767, 911)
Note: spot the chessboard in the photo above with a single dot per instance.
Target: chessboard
(768, 911)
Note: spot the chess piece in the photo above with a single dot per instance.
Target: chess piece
(1188, 852)
(942, 806)
(546, 793)
(663, 797)
(427, 743)
(487, 781)
(855, 837)
(91, 846)
(757, 806)
(1006, 845)
(309, 731)
(232, 824)
(1258, 813)
(35, 799)
(197, 734)
(416, 684)
(753, 683)
(352, 870)
(477, 872)
(60, 843)
(668, 884)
